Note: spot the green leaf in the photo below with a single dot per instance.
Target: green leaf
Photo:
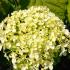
(68, 9)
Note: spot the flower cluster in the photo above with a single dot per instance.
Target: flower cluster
(32, 37)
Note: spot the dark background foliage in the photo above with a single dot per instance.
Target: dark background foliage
(60, 7)
(8, 6)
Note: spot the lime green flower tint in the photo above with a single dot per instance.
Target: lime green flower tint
(33, 37)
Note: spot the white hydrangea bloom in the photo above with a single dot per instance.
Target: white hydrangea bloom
(66, 31)
(33, 37)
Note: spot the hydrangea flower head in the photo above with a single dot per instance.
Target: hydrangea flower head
(33, 37)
